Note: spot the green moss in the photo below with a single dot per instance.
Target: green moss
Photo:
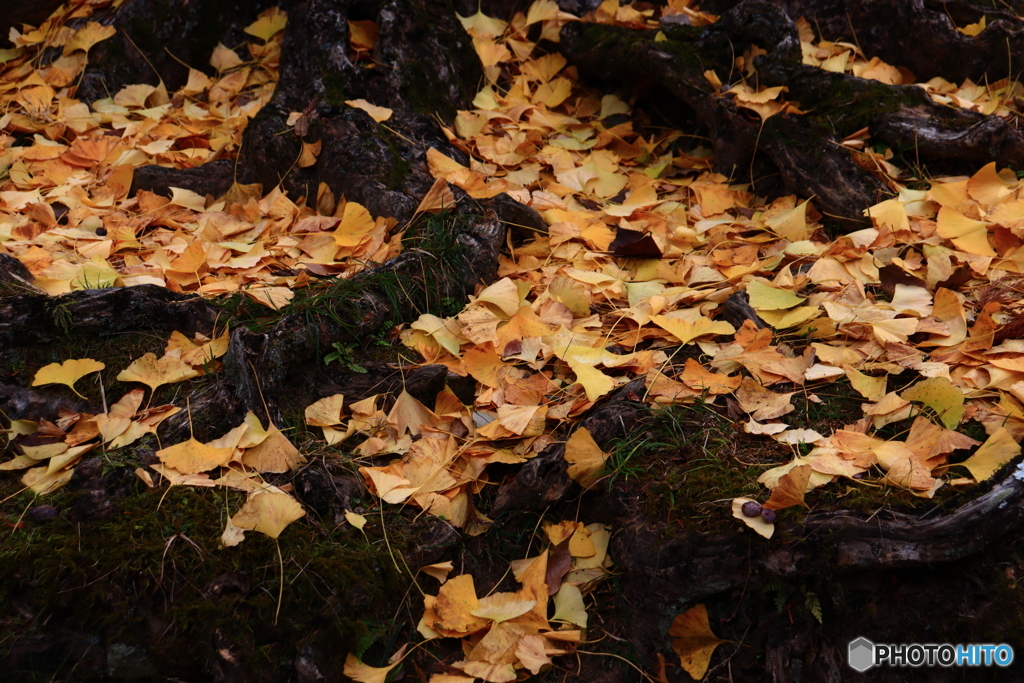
(838, 106)
(395, 171)
(687, 459)
(414, 290)
(334, 88)
(117, 351)
(159, 563)
(422, 96)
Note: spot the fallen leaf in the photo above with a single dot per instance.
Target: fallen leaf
(939, 394)
(438, 570)
(274, 454)
(192, 457)
(67, 373)
(569, 606)
(586, 459)
(693, 641)
(455, 604)
(791, 489)
(378, 114)
(364, 673)
(154, 373)
(999, 449)
(268, 513)
(758, 523)
(358, 521)
(326, 412)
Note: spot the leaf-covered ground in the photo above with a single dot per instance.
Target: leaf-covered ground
(914, 321)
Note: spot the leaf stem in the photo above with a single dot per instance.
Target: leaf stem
(280, 592)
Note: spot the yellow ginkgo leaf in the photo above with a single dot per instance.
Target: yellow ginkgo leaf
(355, 226)
(531, 653)
(268, 513)
(119, 417)
(188, 199)
(766, 297)
(356, 520)
(871, 388)
(192, 457)
(757, 523)
(378, 114)
(501, 607)
(939, 394)
(693, 641)
(593, 381)
(693, 326)
(966, 233)
(271, 297)
(364, 673)
(274, 454)
(42, 481)
(569, 606)
(326, 412)
(438, 570)
(44, 451)
(224, 58)
(176, 478)
(67, 373)
(270, 22)
(586, 459)
(153, 373)
(455, 604)
(791, 489)
(482, 26)
(998, 449)
(87, 36)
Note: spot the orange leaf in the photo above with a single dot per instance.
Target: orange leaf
(191, 457)
(791, 489)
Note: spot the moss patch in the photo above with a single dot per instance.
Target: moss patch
(153, 576)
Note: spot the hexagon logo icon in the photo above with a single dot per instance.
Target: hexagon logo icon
(861, 654)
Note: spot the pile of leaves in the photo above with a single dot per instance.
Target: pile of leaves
(64, 206)
(503, 633)
(919, 312)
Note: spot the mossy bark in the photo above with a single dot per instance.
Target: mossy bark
(798, 153)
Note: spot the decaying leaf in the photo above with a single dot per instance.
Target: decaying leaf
(791, 489)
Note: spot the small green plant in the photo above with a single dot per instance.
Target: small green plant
(449, 306)
(813, 605)
(343, 354)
